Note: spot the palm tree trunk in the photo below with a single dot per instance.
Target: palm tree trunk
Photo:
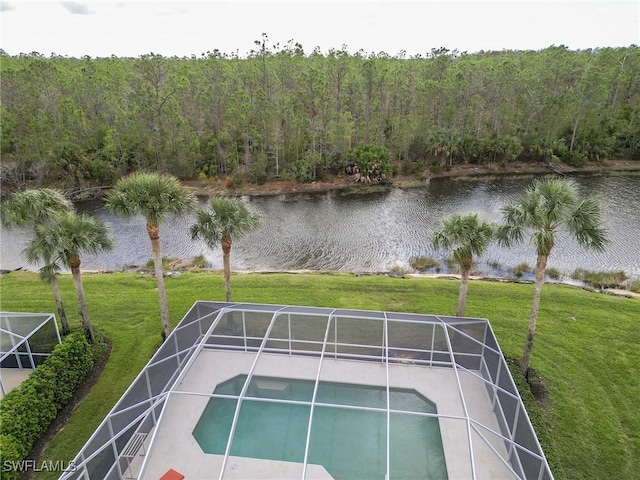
(154, 235)
(226, 254)
(84, 311)
(462, 296)
(56, 294)
(61, 312)
(541, 266)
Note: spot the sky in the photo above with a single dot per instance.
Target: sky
(185, 28)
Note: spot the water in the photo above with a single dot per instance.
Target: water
(349, 443)
(371, 232)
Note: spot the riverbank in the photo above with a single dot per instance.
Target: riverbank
(617, 291)
(463, 172)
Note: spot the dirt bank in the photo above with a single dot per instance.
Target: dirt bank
(279, 187)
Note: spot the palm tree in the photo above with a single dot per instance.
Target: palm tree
(548, 207)
(226, 220)
(33, 208)
(66, 236)
(467, 237)
(154, 196)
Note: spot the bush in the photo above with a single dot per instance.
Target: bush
(234, 182)
(199, 261)
(553, 273)
(372, 160)
(520, 269)
(601, 279)
(10, 455)
(27, 411)
(167, 262)
(574, 159)
(424, 263)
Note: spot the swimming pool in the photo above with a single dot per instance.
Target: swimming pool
(348, 434)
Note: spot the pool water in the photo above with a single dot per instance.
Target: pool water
(348, 443)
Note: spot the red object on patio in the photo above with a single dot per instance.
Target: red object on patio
(171, 474)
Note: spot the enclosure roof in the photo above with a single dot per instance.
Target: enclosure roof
(455, 362)
(15, 327)
(22, 324)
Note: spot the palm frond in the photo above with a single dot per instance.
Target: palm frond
(152, 195)
(466, 235)
(552, 204)
(67, 235)
(33, 206)
(224, 217)
(587, 225)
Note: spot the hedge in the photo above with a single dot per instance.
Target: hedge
(27, 411)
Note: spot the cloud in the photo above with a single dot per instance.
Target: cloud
(76, 8)
(5, 7)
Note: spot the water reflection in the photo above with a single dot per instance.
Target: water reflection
(371, 232)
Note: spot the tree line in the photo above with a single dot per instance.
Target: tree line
(280, 112)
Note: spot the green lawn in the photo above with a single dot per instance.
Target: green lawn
(586, 345)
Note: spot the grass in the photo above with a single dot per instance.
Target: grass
(586, 345)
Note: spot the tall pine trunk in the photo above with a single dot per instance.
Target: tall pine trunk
(541, 266)
(154, 235)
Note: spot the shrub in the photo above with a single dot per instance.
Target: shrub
(520, 269)
(574, 159)
(199, 261)
(233, 182)
(553, 273)
(27, 411)
(372, 160)
(398, 270)
(634, 286)
(601, 279)
(10, 455)
(424, 263)
(495, 264)
(167, 262)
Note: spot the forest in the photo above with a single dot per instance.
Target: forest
(279, 112)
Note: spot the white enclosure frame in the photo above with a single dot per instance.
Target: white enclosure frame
(16, 333)
(467, 346)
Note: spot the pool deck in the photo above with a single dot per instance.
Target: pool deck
(172, 444)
